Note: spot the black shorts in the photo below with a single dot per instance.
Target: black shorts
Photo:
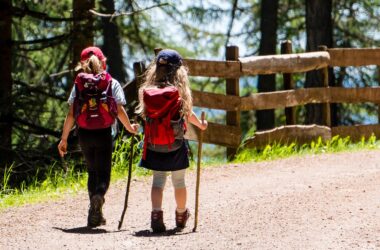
(168, 161)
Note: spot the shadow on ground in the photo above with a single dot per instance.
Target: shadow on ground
(86, 230)
(170, 232)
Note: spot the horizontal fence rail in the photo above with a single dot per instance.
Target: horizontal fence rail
(286, 98)
(286, 63)
(301, 134)
(222, 69)
(289, 63)
(287, 134)
(219, 134)
(354, 57)
(216, 101)
(291, 98)
(356, 132)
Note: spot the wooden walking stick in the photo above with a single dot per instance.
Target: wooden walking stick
(128, 183)
(198, 174)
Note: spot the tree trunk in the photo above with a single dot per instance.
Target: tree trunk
(5, 83)
(318, 32)
(268, 42)
(112, 46)
(83, 35)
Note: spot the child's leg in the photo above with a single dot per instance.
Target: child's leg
(157, 219)
(182, 213)
(180, 191)
(97, 149)
(159, 180)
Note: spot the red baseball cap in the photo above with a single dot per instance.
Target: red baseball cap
(89, 51)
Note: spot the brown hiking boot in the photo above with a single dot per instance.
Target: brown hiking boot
(95, 215)
(181, 218)
(157, 222)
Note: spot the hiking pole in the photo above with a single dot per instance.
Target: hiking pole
(128, 183)
(65, 166)
(198, 174)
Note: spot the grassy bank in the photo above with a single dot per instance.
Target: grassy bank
(276, 151)
(59, 181)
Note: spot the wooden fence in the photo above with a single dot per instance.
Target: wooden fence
(229, 134)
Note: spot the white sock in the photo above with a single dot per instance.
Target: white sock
(181, 210)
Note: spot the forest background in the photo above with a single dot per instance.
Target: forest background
(40, 44)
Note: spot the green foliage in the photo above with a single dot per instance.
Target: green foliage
(121, 157)
(4, 188)
(277, 151)
(54, 184)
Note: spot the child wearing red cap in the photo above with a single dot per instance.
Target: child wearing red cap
(96, 142)
(167, 75)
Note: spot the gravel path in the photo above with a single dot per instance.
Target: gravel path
(329, 201)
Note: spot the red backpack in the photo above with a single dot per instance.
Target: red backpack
(94, 106)
(163, 124)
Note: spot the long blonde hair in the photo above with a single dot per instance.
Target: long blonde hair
(180, 80)
(91, 65)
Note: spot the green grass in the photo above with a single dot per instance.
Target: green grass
(56, 183)
(59, 182)
(277, 151)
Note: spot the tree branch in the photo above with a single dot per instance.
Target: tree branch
(21, 12)
(233, 12)
(42, 40)
(37, 129)
(117, 14)
(63, 72)
(39, 91)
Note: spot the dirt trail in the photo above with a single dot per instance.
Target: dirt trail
(329, 201)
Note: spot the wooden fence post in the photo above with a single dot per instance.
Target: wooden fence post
(325, 76)
(290, 113)
(232, 88)
(138, 69)
(131, 89)
(157, 50)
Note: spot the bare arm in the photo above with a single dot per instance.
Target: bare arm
(193, 119)
(67, 126)
(124, 119)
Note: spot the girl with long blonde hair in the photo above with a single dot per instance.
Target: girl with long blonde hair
(167, 70)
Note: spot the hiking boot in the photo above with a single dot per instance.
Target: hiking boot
(157, 222)
(181, 218)
(95, 214)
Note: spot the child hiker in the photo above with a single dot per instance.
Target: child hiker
(165, 103)
(95, 101)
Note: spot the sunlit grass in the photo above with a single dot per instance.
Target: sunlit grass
(277, 151)
(55, 184)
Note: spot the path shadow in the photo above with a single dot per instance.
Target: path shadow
(170, 232)
(86, 230)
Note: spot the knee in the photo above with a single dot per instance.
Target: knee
(178, 179)
(159, 179)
